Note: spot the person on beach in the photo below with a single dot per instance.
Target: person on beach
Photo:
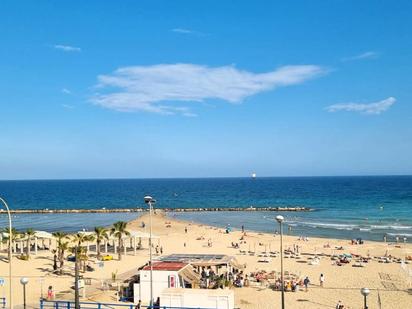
(139, 304)
(339, 305)
(50, 293)
(156, 305)
(185, 229)
(321, 280)
(243, 228)
(306, 283)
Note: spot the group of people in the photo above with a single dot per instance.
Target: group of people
(303, 238)
(296, 249)
(292, 285)
(159, 249)
(211, 280)
(235, 245)
(357, 241)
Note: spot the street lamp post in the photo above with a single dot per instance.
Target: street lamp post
(365, 292)
(149, 200)
(76, 279)
(23, 282)
(10, 253)
(280, 219)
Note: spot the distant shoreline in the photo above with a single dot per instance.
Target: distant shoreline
(120, 210)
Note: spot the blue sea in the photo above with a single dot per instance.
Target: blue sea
(344, 207)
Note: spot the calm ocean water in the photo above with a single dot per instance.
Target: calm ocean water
(345, 207)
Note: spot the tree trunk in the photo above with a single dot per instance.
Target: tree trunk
(98, 248)
(61, 261)
(120, 249)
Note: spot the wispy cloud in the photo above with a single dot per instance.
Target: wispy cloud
(67, 48)
(182, 30)
(67, 106)
(363, 56)
(374, 108)
(154, 88)
(188, 31)
(66, 91)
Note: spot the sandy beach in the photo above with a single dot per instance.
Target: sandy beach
(388, 282)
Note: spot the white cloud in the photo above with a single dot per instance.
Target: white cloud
(374, 108)
(66, 91)
(67, 106)
(182, 30)
(67, 48)
(362, 56)
(154, 88)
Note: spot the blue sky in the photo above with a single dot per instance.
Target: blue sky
(92, 89)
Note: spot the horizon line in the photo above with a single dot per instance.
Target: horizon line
(205, 177)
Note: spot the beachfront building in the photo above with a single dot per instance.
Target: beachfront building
(195, 298)
(165, 275)
(182, 274)
(176, 284)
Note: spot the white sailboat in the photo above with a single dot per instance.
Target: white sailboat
(253, 175)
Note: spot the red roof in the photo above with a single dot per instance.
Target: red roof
(168, 266)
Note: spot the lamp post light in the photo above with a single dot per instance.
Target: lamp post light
(365, 292)
(10, 253)
(23, 282)
(150, 201)
(280, 220)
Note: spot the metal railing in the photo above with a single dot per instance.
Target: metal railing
(59, 304)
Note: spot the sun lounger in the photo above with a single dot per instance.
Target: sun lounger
(264, 260)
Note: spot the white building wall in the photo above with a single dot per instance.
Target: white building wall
(160, 282)
(198, 298)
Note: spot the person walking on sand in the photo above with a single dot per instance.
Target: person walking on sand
(321, 280)
(185, 229)
(306, 283)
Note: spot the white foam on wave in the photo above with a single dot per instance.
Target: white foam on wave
(337, 226)
(400, 234)
(391, 227)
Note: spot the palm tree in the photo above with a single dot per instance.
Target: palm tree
(15, 235)
(81, 256)
(118, 230)
(79, 239)
(100, 233)
(29, 233)
(61, 247)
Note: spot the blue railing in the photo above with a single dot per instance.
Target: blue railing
(59, 304)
